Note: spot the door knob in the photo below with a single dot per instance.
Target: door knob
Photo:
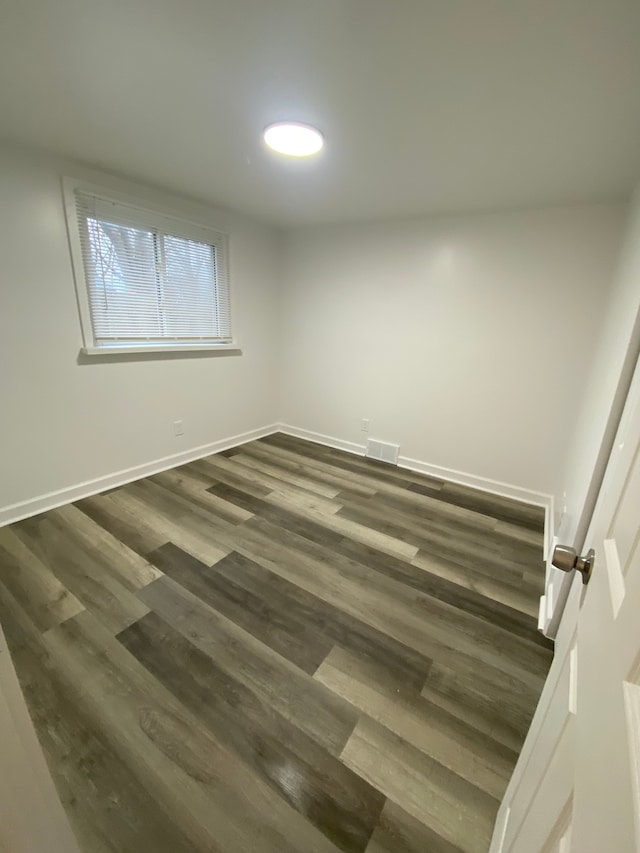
(565, 558)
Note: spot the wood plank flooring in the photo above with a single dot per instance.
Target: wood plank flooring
(281, 648)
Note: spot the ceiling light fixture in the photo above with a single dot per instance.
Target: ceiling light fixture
(293, 138)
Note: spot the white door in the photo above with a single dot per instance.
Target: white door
(576, 785)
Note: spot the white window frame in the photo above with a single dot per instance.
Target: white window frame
(149, 217)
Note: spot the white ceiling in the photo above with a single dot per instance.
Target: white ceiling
(428, 106)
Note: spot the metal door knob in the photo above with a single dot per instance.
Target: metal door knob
(567, 560)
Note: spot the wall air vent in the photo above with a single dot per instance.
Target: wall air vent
(382, 451)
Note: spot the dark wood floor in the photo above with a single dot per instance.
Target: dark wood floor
(279, 648)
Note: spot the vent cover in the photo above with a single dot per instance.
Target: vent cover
(383, 451)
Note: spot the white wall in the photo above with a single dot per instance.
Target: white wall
(612, 357)
(461, 339)
(62, 422)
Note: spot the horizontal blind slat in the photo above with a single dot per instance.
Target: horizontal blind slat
(147, 285)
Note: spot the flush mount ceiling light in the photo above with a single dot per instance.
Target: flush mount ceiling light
(293, 139)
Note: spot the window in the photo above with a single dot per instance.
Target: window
(146, 281)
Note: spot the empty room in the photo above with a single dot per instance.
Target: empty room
(319, 426)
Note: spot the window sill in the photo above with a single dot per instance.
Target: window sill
(159, 349)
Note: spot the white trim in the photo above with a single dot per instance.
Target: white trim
(632, 717)
(615, 575)
(564, 643)
(73, 233)
(228, 349)
(449, 475)
(198, 228)
(319, 438)
(503, 833)
(139, 214)
(51, 500)
(495, 487)
(549, 602)
(24, 509)
(573, 680)
(549, 528)
(542, 610)
(483, 484)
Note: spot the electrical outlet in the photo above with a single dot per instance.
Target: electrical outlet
(364, 426)
(178, 428)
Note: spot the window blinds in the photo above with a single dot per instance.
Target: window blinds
(147, 281)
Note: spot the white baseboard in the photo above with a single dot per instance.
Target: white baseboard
(319, 438)
(542, 612)
(24, 509)
(500, 830)
(549, 527)
(483, 484)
